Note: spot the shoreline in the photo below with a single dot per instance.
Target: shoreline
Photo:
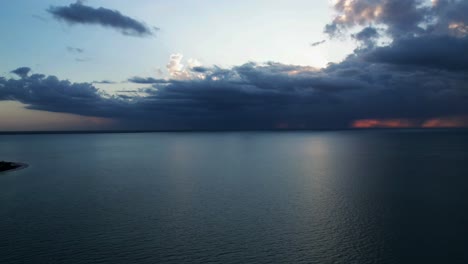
(18, 166)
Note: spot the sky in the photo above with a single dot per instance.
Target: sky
(205, 64)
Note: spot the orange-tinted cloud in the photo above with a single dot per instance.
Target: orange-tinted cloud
(446, 122)
(441, 122)
(383, 123)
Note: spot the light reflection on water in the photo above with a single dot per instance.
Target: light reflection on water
(315, 197)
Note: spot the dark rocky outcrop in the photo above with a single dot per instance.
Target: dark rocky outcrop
(6, 166)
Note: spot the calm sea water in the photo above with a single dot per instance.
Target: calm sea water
(298, 197)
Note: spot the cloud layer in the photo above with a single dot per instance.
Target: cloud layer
(79, 13)
(401, 18)
(418, 79)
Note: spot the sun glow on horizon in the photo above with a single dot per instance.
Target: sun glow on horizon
(440, 122)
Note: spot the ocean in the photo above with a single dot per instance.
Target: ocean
(371, 196)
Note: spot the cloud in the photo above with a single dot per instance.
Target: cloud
(49, 93)
(318, 43)
(402, 17)
(22, 72)
(38, 17)
(261, 96)
(83, 59)
(177, 70)
(368, 35)
(78, 13)
(385, 123)
(149, 80)
(419, 79)
(450, 17)
(456, 121)
(442, 52)
(444, 122)
(74, 50)
(175, 66)
(103, 82)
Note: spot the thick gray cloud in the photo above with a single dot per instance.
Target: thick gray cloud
(401, 18)
(420, 75)
(22, 71)
(424, 33)
(443, 52)
(261, 96)
(48, 93)
(367, 36)
(79, 13)
(450, 16)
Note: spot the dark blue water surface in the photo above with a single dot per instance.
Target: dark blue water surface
(247, 197)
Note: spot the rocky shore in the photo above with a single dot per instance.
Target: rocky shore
(8, 166)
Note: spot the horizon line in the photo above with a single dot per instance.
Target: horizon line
(44, 132)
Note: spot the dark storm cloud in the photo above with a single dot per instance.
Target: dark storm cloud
(79, 13)
(259, 96)
(451, 11)
(402, 17)
(420, 76)
(200, 69)
(48, 93)
(443, 52)
(22, 71)
(367, 36)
